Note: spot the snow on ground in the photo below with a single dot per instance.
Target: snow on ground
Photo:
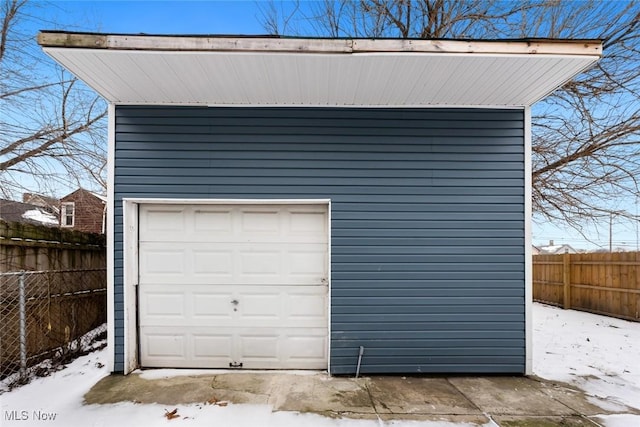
(596, 353)
(57, 401)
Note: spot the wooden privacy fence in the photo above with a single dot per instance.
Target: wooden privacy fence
(603, 283)
(35, 247)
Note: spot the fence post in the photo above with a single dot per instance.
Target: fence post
(566, 280)
(23, 326)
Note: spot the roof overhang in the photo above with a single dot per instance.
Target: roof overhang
(271, 71)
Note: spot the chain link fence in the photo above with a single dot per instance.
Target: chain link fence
(53, 315)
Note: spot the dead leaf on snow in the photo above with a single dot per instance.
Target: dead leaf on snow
(212, 401)
(222, 403)
(171, 415)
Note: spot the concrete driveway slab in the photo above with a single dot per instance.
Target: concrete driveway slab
(510, 396)
(132, 388)
(415, 395)
(508, 401)
(321, 394)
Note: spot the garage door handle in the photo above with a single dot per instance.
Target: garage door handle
(235, 302)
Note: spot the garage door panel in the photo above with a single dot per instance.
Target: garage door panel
(229, 305)
(218, 263)
(259, 347)
(163, 261)
(282, 306)
(234, 263)
(307, 223)
(308, 262)
(163, 344)
(257, 307)
(260, 221)
(164, 304)
(248, 223)
(213, 221)
(162, 222)
(212, 346)
(162, 219)
(222, 284)
(294, 348)
(212, 306)
(259, 265)
(186, 305)
(307, 308)
(306, 347)
(172, 347)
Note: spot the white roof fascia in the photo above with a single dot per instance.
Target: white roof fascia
(267, 71)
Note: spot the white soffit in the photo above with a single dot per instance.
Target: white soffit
(318, 72)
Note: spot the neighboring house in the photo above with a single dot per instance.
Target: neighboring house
(12, 211)
(284, 203)
(535, 250)
(84, 211)
(552, 249)
(50, 204)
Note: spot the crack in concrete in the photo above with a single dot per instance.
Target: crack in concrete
(465, 396)
(549, 392)
(591, 421)
(373, 403)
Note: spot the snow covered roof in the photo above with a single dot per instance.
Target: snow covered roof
(12, 211)
(557, 249)
(274, 71)
(40, 216)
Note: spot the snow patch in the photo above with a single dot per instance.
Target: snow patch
(598, 354)
(40, 216)
(621, 420)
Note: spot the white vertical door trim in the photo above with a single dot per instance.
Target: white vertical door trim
(130, 282)
(329, 286)
(528, 254)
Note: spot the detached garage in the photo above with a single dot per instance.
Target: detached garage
(280, 203)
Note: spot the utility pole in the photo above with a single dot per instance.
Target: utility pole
(610, 232)
(637, 220)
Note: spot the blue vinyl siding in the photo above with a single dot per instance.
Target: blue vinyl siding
(427, 217)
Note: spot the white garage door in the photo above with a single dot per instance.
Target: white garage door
(225, 285)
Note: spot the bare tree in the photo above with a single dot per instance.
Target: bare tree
(276, 18)
(52, 127)
(586, 135)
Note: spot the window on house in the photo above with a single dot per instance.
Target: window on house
(67, 215)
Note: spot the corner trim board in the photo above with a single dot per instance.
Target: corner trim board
(528, 254)
(111, 150)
